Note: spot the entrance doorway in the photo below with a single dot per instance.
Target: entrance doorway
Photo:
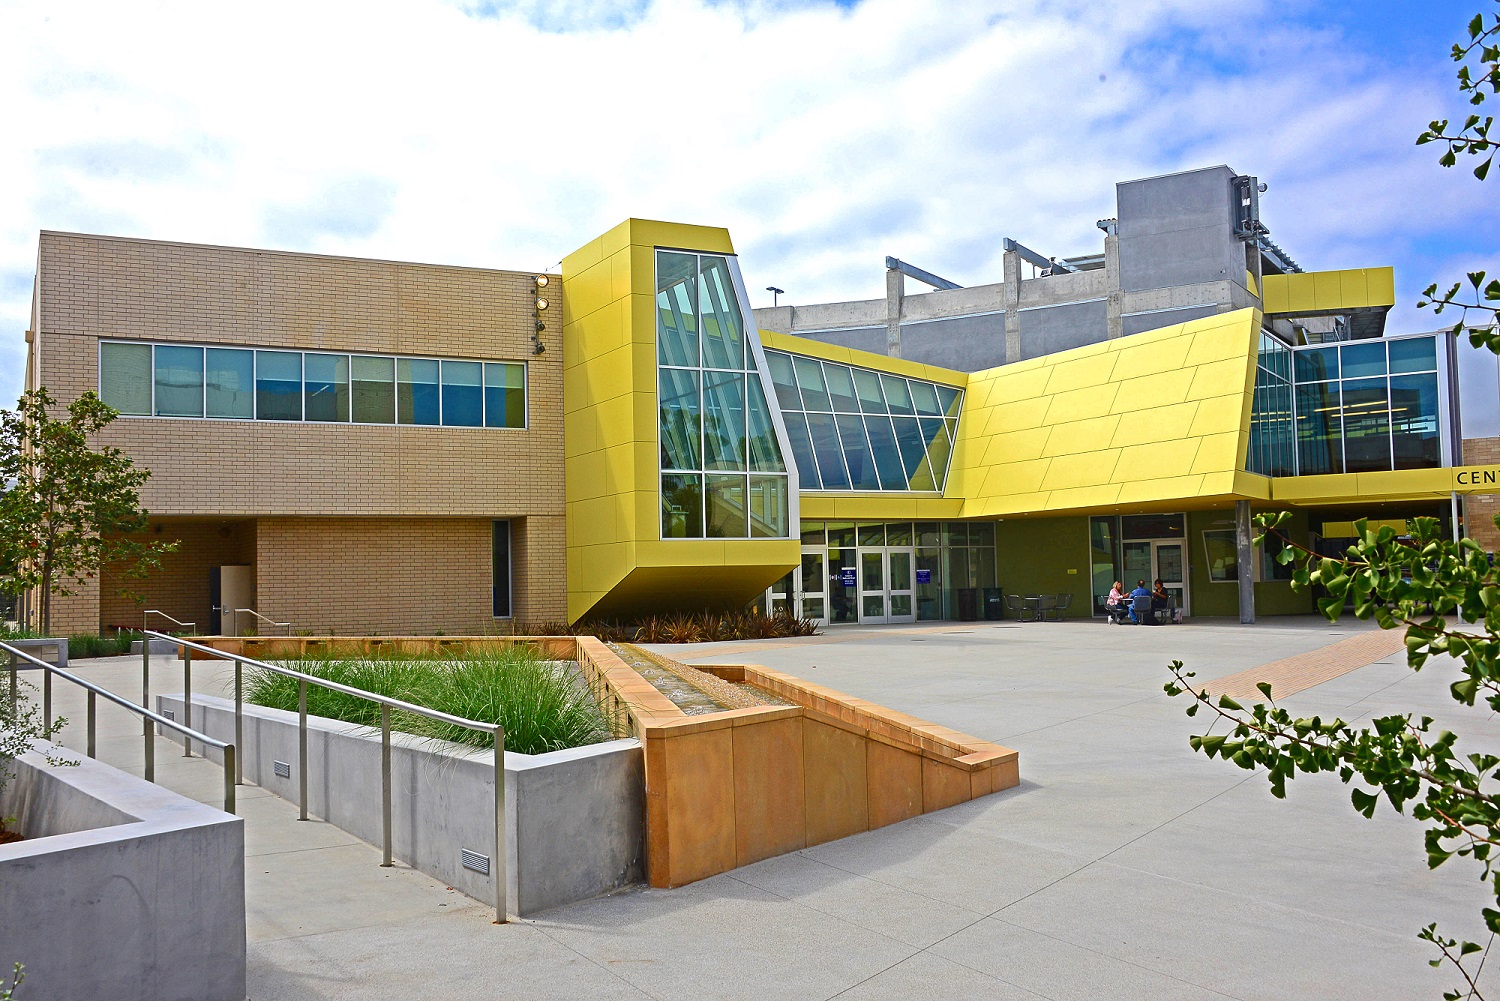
(1149, 559)
(885, 585)
(804, 591)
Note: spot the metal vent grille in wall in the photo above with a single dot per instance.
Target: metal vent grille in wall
(479, 863)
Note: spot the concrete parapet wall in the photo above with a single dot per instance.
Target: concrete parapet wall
(124, 890)
(574, 818)
(727, 789)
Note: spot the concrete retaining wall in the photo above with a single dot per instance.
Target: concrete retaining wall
(576, 818)
(123, 890)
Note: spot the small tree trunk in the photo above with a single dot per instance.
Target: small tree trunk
(46, 598)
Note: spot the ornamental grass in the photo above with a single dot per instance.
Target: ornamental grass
(542, 704)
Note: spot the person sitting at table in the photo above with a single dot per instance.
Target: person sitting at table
(1114, 605)
(1161, 601)
(1140, 598)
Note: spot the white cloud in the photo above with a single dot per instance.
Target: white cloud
(824, 138)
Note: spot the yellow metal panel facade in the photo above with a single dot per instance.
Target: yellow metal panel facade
(1329, 291)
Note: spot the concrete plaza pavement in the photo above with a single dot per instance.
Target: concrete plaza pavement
(1123, 866)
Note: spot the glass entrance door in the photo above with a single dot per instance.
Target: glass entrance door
(843, 585)
(1168, 564)
(811, 586)
(900, 604)
(872, 585)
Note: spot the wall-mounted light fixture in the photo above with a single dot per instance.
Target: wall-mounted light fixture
(539, 306)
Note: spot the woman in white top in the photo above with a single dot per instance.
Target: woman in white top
(1114, 605)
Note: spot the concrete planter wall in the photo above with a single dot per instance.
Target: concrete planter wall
(124, 890)
(575, 818)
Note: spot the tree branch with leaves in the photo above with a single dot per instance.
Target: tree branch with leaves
(68, 507)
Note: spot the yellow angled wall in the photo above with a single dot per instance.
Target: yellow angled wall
(616, 559)
(1161, 417)
(1328, 291)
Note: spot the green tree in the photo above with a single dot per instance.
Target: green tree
(1445, 594)
(68, 507)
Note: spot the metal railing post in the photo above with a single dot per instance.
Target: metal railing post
(239, 720)
(150, 746)
(14, 689)
(187, 698)
(302, 747)
(231, 760)
(498, 868)
(47, 704)
(145, 670)
(92, 715)
(385, 780)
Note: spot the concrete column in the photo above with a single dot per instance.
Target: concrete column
(1244, 543)
(1012, 292)
(1114, 298)
(895, 291)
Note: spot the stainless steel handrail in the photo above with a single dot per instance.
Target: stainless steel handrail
(386, 703)
(147, 717)
(269, 621)
(176, 622)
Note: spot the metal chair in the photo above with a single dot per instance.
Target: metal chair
(1046, 604)
(1140, 611)
(1060, 604)
(1013, 603)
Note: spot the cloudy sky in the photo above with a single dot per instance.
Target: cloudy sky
(823, 135)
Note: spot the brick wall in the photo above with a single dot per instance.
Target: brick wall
(1480, 509)
(180, 587)
(350, 477)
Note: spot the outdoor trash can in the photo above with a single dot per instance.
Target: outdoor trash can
(968, 604)
(994, 603)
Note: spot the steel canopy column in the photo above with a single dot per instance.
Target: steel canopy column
(1244, 545)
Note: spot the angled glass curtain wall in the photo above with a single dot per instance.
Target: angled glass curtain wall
(858, 429)
(1272, 438)
(178, 380)
(722, 472)
(1367, 406)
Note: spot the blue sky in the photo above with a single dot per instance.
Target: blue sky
(824, 135)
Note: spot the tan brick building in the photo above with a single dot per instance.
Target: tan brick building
(349, 526)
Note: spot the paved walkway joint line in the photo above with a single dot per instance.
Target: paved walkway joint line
(1291, 675)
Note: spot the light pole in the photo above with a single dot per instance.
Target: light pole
(776, 294)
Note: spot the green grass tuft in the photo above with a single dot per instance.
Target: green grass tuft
(541, 704)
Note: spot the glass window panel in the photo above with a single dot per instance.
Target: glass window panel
(802, 451)
(1152, 526)
(1317, 364)
(504, 395)
(278, 386)
(179, 381)
(810, 379)
(770, 505)
(984, 566)
(1413, 354)
(676, 308)
(125, 377)
(1320, 443)
(417, 397)
(841, 388)
(463, 394)
(500, 576)
(948, 400)
(723, 330)
(929, 595)
(681, 506)
(841, 534)
(1367, 425)
(1358, 360)
(872, 535)
(814, 533)
(857, 458)
(229, 383)
(372, 392)
(723, 420)
(924, 395)
(867, 387)
(825, 442)
(765, 450)
(325, 386)
(678, 404)
(982, 533)
(1414, 421)
(898, 533)
(784, 380)
(929, 533)
(913, 453)
(897, 394)
(887, 456)
(1103, 558)
(727, 514)
(939, 446)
